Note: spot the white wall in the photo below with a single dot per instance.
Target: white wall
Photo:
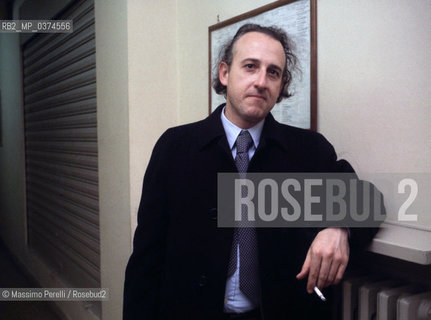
(374, 79)
(374, 96)
(113, 148)
(153, 87)
(137, 100)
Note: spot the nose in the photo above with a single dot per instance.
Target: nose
(260, 81)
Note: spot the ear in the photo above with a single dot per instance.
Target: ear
(223, 73)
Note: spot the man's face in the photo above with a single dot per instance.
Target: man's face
(254, 78)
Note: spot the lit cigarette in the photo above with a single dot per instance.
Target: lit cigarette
(319, 294)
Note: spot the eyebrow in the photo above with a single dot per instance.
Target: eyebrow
(273, 66)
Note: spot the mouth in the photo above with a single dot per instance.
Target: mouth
(256, 96)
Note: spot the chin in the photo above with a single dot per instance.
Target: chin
(255, 116)
(258, 111)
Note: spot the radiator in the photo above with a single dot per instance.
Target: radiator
(371, 298)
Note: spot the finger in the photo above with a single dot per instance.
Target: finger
(325, 268)
(340, 273)
(305, 267)
(332, 273)
(337, 262)
(313, 274)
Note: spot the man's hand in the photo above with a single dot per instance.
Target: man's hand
(326, 259)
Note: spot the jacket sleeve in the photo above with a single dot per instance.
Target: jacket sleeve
(144, 269)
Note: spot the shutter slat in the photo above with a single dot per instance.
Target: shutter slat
(57, 73)
(67, 261)
(56, 41)
(62, 87)
(82, 174)
(77, 94)
(81, 51)
(70, 237)
(61, 215)
(82, 47)
(62, 192)
(86, 214)
(83, 134)
(60, 43)
(67, 159)
(57, 111)
(72, 231)
(74, 185)
(83, 147)
(68, 121)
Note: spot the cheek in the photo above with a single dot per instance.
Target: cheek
(277, 92)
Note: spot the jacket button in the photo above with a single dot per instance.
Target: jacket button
(203, 281)
(213, 213)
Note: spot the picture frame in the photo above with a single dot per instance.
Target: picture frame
(299, 19)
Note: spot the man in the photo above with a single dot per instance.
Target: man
(181, 266)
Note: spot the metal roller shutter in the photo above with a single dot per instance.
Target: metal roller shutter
(61, 148)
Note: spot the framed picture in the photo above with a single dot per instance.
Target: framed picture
(298, 19)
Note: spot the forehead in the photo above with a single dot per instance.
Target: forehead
(259, 46)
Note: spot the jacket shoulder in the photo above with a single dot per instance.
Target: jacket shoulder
(302, 137)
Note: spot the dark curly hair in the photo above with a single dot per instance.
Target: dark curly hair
(226, 55)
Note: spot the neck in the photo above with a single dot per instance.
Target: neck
(238, 121)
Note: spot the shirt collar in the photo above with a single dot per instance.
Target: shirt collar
(232, 131)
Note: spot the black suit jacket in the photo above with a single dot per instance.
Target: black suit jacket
(178, 268)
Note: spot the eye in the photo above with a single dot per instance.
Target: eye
(249, 66)
(274, 73)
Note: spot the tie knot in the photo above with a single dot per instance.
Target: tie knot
(243, 142)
